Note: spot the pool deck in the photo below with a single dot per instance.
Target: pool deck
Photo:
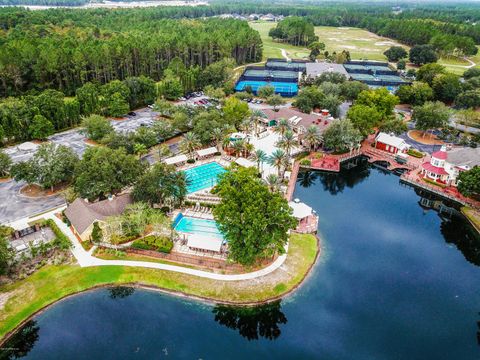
(180, 246)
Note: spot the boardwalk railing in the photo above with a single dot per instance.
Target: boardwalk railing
(292, 181)
(441, 192)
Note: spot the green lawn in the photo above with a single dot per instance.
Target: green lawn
(271, 49)
(362, 44)
(473, 215)
(52, 283)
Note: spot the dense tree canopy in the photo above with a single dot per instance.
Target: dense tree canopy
(6, 255)
(103, 171)
(430, 115)
(341, 136)
(364, 118)
(40, 128)
(68, 55)
(161, 185)
(469, 182)
(51, 165)
(415, 94)
(380, 99)
(96, 127)
(294, 30)
(423, 54)
(5, 164)
(395, 53)
(253, 220)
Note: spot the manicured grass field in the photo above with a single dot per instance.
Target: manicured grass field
(52, 283)
(362, 44)
(272, 49)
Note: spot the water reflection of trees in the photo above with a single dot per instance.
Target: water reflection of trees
(478, 331)
(457, 231)
(307, 178)
(120, 292)
(252, 322)
(335, 183)
(20, 344)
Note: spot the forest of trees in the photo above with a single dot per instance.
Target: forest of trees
(294, 30)
(64, 57)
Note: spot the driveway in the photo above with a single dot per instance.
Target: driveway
(14, 206)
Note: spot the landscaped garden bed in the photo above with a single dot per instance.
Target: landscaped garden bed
(152, 242)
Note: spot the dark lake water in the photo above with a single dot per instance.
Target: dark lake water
(396, 280)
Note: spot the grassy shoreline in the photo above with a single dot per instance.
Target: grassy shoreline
(50, 284)
(473, 216)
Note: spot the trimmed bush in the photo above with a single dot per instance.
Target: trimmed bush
(429, 181)
(152, 242)
(305, 162)
(415, 153)
(61, 240)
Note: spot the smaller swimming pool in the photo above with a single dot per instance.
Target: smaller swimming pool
(203, 176)
(194, 225)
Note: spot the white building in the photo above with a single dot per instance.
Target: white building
(445, 165)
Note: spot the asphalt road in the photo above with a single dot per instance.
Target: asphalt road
(14, 206)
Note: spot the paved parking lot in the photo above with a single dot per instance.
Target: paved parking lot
(14, 206)
(75, 140)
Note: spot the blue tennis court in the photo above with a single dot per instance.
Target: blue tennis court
(203, 176)
(282, 88)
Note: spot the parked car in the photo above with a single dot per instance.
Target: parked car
(132, 113)
(151, 106)
(182, 99)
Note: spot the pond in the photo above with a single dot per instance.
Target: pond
(396, 280)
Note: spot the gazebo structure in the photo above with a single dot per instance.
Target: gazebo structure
(176, 160)
(204, 243)
(307, 219)
(245, 162)
(205, 153)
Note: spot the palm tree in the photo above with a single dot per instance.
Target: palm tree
(272, 182)
(238, 147)
(288, 142)
(246, 124)
(256, 115)
(226, 142)
(217, 137)
(278, 159)
(282, 126)
(260, 157)
(248, 148)
(190, 144)
(313, 137)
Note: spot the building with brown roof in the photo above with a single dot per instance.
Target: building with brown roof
(83, 214)
(299, 121)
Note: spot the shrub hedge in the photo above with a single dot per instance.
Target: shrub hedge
(415, 153)
(61, 240)
(152, 242)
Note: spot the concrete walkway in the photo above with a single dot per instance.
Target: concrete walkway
(285, 54)
(85, 259)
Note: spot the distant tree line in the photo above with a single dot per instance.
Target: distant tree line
(40, 55)
(37, 116)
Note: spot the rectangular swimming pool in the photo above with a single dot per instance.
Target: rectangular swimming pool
(203, 176)
(194, 225)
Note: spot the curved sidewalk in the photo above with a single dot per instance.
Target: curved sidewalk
(85, 259)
